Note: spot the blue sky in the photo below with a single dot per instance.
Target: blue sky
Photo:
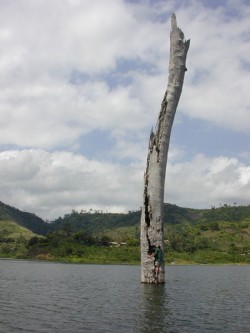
(81, 88)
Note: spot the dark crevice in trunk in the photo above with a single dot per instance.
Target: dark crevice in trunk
(147, 211)
(159, 126)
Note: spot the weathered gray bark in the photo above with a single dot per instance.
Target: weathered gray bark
(152, 232)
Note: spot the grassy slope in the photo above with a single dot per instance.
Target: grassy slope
(13, 238)
(25, 219)
(217, 235)
(201, 243)
(10, 230)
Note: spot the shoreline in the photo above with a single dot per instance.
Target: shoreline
(121, 263)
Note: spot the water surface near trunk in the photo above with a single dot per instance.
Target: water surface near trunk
(54, 297)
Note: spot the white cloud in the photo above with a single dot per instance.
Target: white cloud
(44, 109)
(54, 183)
(203, 182)
(39, 54)
(216, 82)
(40, 51)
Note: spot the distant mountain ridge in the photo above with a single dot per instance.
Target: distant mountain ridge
(24, 219)
(205, 236)
(97, 222)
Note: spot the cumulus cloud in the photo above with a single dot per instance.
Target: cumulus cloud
(44, 44)
(53, 184)
(41, 51)
(208, 181)
(70, 68)
(216, 84)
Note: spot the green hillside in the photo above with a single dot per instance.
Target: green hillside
(99, 222)
(25, 219)
(216, 235)
(12, 231)
(13, 238)
(96, 222)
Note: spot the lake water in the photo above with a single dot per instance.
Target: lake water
(54, 297)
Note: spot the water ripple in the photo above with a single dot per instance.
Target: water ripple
(48, 297)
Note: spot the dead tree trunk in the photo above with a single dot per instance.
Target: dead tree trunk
(152, 232)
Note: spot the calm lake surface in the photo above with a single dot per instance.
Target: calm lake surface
(54, 297)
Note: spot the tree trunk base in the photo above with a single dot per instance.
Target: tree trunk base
(148, 272)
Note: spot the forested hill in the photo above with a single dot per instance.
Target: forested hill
(98, 221)
(24, 219)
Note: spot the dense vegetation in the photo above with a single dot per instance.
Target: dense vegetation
(25, 219)
(216, 235)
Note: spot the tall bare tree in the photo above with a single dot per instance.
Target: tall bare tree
(152, 232)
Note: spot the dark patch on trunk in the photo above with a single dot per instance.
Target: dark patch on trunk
(147, 213)
(159, 131)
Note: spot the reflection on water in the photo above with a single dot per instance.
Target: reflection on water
(62, 298)
(154, 308)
